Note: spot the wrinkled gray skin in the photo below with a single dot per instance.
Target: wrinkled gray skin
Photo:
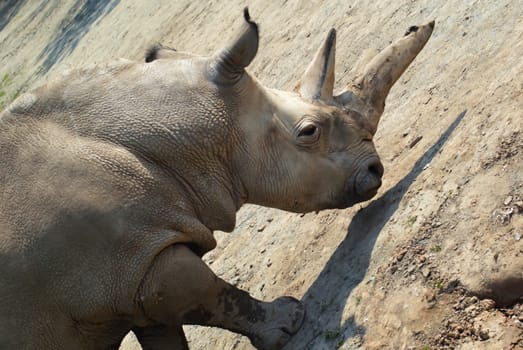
(114, 178)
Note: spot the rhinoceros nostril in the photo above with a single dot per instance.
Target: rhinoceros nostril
(376, 169)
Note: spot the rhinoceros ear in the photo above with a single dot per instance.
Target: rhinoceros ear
(318, 81)
(227, 66)
(374, 84)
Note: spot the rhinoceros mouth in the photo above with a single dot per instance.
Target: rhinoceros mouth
(346, 198)
(366, 186)
(367, 195)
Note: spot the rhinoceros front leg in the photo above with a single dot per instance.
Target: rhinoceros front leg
(180, 288)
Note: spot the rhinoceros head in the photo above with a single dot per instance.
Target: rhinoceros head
(309, 149)
(306, 149)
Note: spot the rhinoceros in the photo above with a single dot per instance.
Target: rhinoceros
(113, 179)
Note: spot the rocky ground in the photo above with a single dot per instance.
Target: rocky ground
(435, 260)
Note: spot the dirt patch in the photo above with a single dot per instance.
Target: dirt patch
(508, 147)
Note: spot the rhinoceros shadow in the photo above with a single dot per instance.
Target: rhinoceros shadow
(81, 16)
(346, 268)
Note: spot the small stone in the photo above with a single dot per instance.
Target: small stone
(401, 254)
(453, 284)
(430, 296)
(425, 272)
(270, 219)
(517, 236)
(483, 334)
(517, 322)
(472, 309)
(415, 141)
(261, 228)
(507, 200)
(487, 304)
(436, 224)
(454, 334)
(503, 215)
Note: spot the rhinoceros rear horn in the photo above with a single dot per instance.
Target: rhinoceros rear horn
(228, 64)
(318, 81)
(380, 74)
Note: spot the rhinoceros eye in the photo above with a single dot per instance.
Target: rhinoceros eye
(309, 132)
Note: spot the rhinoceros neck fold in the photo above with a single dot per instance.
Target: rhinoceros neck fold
(213, 195)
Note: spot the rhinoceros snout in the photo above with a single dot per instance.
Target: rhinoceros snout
(369, 179)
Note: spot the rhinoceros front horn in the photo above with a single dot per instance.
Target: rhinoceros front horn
(318, 81)
(227, 66)
(380, 74)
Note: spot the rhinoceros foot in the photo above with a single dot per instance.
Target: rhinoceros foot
(285, 319)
